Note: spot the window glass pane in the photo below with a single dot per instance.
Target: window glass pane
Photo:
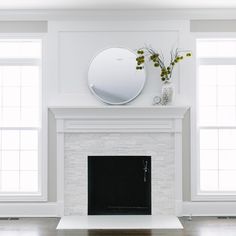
(207, 96)
(29, 97)
(29, 140)
(206, 48)
(226, 75)
(226, 116)
(10, 117)
(226, 96)
(10, 181)
(226, 180)
(29, 181)
(30, 49)
(29, 160)
(30, 76)
(226, 48)
(209, 160)
(19, 96)
(208, 116)
(209, 139)
(227, 138)
(11, 75)
(208, 180)
(216, 48)
(11, 97)
(29, 116)
(10, 160)
(20, 48)
(207, 75)
(10, 140)
(227, 159)
(10, 49)
(217, 95)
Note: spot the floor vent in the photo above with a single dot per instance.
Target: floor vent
(9, 218)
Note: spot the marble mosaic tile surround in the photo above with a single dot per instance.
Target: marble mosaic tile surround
(160, 146)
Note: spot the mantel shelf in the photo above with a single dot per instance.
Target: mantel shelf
(119, 112)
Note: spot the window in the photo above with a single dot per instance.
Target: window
(217, 117)
(20, 118)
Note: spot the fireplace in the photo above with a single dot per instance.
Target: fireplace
(119, 185)
(154, 132)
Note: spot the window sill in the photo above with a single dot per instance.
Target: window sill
(23, 198)
(205, 197)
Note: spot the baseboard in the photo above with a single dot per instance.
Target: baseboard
(46, 209)
(209, 208)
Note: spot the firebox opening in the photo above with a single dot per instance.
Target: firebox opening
(119, 185)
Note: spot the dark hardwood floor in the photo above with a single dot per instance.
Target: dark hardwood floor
(199, 226)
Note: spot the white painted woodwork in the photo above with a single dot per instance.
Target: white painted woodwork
(84, 125)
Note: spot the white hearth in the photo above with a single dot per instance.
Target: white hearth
(119, 130)
(119, 222)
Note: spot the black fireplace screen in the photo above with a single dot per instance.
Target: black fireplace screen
(119, 185)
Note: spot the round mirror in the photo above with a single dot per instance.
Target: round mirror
(113, 77)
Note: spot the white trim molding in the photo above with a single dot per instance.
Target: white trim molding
(49, 209)
(116, 112)
(136, 14)
(209, 208)
(122, 119)
(118, 119)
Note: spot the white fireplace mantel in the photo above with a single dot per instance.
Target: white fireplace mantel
(119, 119)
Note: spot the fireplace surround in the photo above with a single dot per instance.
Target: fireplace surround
(123, 131)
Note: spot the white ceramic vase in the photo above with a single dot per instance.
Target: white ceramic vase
(167, 92)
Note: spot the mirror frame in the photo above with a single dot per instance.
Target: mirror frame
(116, 103)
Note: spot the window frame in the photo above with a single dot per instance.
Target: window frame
(196, 194)
(43, 133)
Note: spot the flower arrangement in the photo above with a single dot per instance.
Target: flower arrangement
(158, 60)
